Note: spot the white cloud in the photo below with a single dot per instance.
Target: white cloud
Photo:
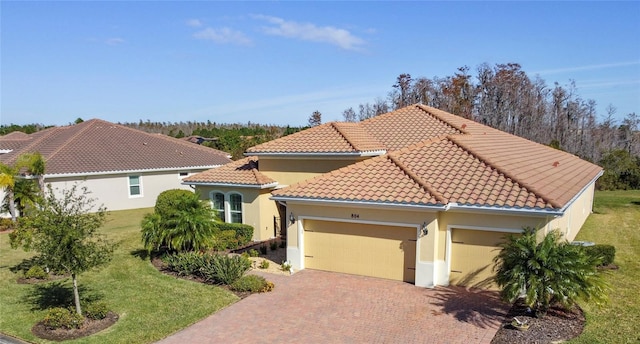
(194, 23)
(114, 41)
(589, 67)
(310, 32)
(223, 35)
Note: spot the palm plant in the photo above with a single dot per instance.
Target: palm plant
(549, 272)
(8, 175)
(182, 222)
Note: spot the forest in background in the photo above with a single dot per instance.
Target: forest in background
(502, 96)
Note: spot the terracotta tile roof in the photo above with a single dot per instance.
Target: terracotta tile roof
(377, 180)
(96, 146)
(326, 138)
(407, 126)
(241, 172)
(460, 161)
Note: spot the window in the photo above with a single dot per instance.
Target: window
(235, 208)
(228, 206)
(218, 204)
(135, 187)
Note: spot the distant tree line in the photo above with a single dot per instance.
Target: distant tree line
(504, 97)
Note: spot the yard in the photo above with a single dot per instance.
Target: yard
(151, 305)
(616, 221)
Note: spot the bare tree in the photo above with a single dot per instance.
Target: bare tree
(315, 119)
(349, 115)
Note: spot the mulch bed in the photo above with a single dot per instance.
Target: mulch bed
(88, 328)
(557, 325)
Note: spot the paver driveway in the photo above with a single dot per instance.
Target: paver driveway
(324, 307)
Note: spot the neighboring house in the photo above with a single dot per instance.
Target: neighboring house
(418, 195)
(124, 168)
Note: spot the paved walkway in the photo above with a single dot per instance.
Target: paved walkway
(322, 307)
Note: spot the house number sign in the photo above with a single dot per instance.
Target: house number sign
(355, 216)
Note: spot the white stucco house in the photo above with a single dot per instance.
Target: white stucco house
(124, 168)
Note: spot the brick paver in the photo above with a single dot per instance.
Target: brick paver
(324, 307)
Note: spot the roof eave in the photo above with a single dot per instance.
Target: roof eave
(363, 204)
(318, 154)
(244, 186)
(574, 198)
(503, 210)
(100, 173)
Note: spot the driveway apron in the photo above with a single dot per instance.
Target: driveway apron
(325, 307)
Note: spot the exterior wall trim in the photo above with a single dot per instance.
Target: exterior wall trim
(447, 248)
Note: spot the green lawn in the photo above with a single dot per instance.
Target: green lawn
(151, 305)
(616, 221)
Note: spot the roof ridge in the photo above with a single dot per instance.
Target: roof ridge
(167, 138)
(344, 136)
(525, 185)
(425, 186)
(428, 110)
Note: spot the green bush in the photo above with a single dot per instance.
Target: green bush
(185, 263)
(96, 310)
(36, 272)
(263, 249)
(264, 264)
(225, 240)
(253, 252)
(59, 317)
(273, 246)
(283, 244)
(181, 222)
(606, 253)
(170, 201)
(243, 233)
(6, 224)
(222, 269)
(250, 283)
(286, 266)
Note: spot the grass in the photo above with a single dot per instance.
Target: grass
(151, 305)
(616, 221)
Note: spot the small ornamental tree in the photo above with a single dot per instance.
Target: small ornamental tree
(548, 272)
(63, 231)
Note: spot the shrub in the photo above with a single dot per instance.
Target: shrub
(264, 264)
(222, 269)
(245, 254)
(96, 310)
(185, 263)
(605, 253)
(283, 244)
(286, 266)
(243, 233)
(273, 246)
(181, 222)
(224, 240)
(59, 317)
(36, 272)
(250, 283)
(263, 249)
(268, 287)
(6, 223)
(547, 272)
(253, 252)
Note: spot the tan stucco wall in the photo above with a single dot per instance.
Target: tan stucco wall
(575, 216)
(290, 171)
(113, 190)
(257, 210)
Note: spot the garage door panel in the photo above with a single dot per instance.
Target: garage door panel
(370, 250)
(472, 253)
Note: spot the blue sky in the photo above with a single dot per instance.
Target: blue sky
(277, 62)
